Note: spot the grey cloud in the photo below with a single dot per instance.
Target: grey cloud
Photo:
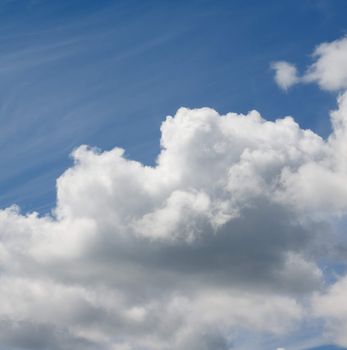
(23, 335)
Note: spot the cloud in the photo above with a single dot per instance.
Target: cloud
(219, 238)
(332, 307)
(286, 74)
(222, 238)
(329, 69)
(318, 188)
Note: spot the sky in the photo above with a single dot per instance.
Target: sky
(174, 175)
(106, 73)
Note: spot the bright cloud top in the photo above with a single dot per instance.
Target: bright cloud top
(221, 238)
(329, 69)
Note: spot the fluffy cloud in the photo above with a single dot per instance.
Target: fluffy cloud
(329, 69)
(286, 74)
(219, 239)
(332, 307)
(318, 188)
(215, 239)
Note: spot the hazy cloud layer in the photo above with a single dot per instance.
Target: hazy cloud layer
(223, 236)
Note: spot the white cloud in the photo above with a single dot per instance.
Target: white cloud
(221, 237)
(332, 307)
(177, 250)
(329, 69)
(318, 188)
(286, 74)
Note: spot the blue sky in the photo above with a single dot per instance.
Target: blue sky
(110, 71)
(106, 74)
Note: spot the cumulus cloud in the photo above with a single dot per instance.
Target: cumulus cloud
(221, 238)
(332, 307)
(286, 74)
(329, 69)
(318, 188)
